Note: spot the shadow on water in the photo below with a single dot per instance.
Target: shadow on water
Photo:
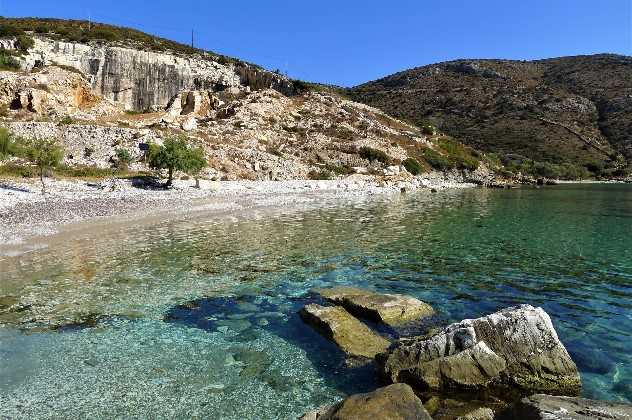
(246, 317)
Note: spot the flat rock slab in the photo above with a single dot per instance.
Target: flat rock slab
(394, 402)
(391, 309)
(516, 347)
(548, 407)
(351, 335)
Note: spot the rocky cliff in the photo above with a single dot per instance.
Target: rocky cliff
(145, 80)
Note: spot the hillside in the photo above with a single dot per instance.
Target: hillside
(573, 110)
(103, 89)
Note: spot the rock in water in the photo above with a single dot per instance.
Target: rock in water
(515, 347)
(548, 407)
(352, 336)
(394, 402)
(390, 309)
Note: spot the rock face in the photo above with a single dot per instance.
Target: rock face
(548, 407)
(515, 347)
(352, 336)
(142, 80)
(390, 309)
(394, 402)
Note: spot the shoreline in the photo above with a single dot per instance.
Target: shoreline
(27, 216)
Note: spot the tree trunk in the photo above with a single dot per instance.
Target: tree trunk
(41, 173)
(170, 179)
(197, 182)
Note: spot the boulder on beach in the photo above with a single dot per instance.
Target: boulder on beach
(350, 335)
(549, 407)
(394, 402)
(516, 347)
(390, 309)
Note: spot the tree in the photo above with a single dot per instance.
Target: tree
(176, 155)
(45, 154)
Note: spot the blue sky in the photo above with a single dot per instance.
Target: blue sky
(350, 42)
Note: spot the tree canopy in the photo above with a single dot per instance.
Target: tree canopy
(176, 155)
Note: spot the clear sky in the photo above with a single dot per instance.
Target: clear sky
(347, 42)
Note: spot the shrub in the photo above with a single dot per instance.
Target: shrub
(373, 155)
(67, 120)
(320, 175)
(461, 157)
(7, 31)
(429, 130)
(413, 166)
(123, 156)
(45, 154)
(437, 160)
(104, 34)
(7, 143)
(8, 62)
(24, 42)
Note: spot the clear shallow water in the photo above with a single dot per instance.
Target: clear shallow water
(236, 349)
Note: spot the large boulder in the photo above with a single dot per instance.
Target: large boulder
(515, 347)
(391, 309)
(548, 407)
(394, 402)
(350, 335)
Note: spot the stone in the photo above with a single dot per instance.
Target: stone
(189, 124)
(348, 333)
(391, 309)
(548, 407)
(482, 413)
(393, 402)
(515, 347)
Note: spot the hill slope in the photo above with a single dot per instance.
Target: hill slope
(567, 110)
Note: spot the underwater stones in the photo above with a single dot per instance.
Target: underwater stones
(548, 407)
(391, 309)
(237, 325)
(348, 333)
(393, 402)
(515, 347)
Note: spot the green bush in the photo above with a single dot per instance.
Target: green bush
(7, 143)
(8, 62)
(462, 157)
(437, 160)
(45, 154)
(67, 120)
(104, 34)
(429, 130)
(373, 155)
(7, 31)
(413, 166)
(24, 42)
(124, 156)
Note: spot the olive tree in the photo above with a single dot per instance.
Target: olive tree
(176, 155)
(45, 154)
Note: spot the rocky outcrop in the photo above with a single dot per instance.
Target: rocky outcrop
(515, 347)
(350, 335)
(394, 402)
(548, 407)
(391, 309)
(142, 80)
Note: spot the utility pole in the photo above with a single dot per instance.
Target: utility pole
(192, 45)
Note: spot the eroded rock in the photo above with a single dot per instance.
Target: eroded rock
(350, 335)
(391, 309)
(515, 347)
(548, 407)
(394, 402)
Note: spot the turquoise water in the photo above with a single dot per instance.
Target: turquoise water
(197, 318)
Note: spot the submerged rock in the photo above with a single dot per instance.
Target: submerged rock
(548, 407)
(350, 335)
(515, 347)
(394, 402)
(391, 309)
